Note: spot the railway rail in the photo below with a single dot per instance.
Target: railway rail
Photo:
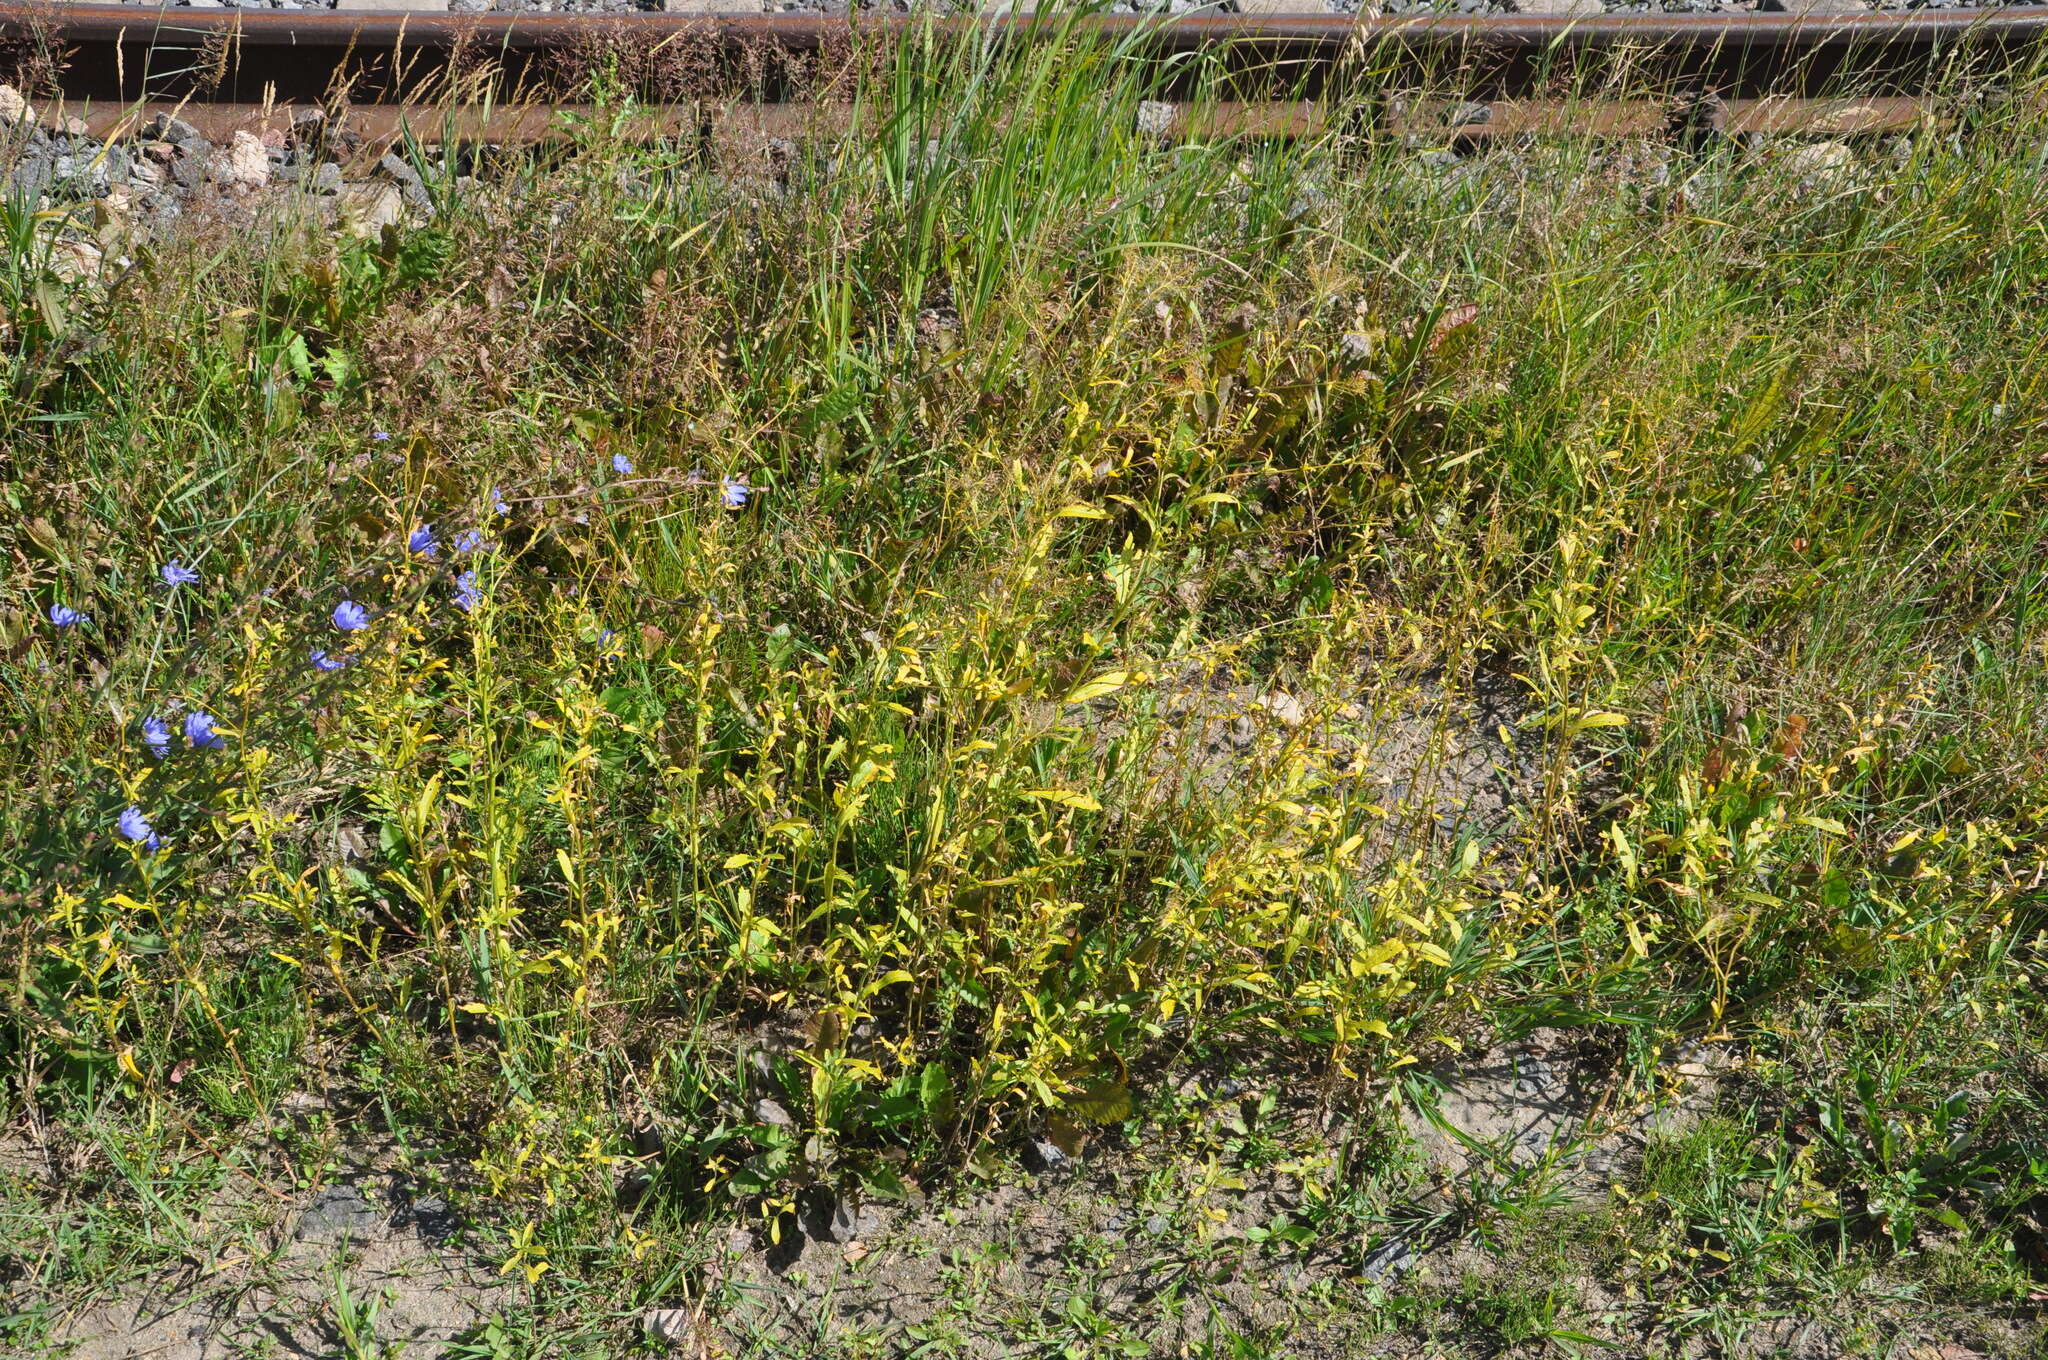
(498, 77)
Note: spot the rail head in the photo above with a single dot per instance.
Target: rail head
(105, 23)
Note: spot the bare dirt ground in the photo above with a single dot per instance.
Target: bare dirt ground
(1177, 1243)
(345, 1262)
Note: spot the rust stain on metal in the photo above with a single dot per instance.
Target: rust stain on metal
(302, 28)
(487, 77)
(755, 126)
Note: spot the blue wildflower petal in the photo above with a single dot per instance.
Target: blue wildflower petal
(156, 735)
(135, 827)
(350, 617)
(199, 731)
(622, 465)
(323, 662)
(467, 596)
(176, 573)
(733, 491)
(64, 616)
(422, 541)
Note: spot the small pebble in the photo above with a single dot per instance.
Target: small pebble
(1390, 1260)
(336, 1213)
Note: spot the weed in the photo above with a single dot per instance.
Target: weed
(746, 696)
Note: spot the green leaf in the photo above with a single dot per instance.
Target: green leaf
(50, 300)
(1101, 1101)
(882, 1182)
(837, 405)
(935, 1093)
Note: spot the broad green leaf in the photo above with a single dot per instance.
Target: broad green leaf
(1101, 1101)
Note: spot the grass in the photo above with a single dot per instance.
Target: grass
(989, 623)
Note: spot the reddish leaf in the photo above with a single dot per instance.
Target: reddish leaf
(1791, 737)
(1464, 314)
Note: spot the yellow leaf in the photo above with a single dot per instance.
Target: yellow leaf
(738, 861)
(1082, 512)
(1593, 720)
(1827, 824)
(128, 1065)
(1109, 682)
(1065, 798)
(1378, 1027)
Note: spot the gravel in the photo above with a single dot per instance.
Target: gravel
(1043, 1157)
(100, 198)
(1389, 1261)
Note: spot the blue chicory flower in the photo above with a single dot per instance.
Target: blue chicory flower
(380, 435)
(176, 573)
(733, 491)
(622, 465)
(468, 542)
(467, 596)
(323, 662)
(199, 731)
(156, 735)
(422, 541)
(498, 502)
(135, 827)
(64, 616)
(350, 617)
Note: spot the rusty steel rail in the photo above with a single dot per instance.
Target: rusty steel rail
(494, 76)
(103, 23)
(383, 124)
